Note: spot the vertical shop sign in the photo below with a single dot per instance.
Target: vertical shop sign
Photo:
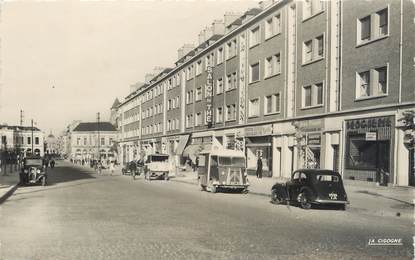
(209, 95)
(242, 68)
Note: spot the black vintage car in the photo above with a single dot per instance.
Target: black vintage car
(311, 186)
(33, 171)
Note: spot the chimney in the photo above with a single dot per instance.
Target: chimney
(202, 36)
(185, 49)
(218, 27)
(230, 17)
(135, 86)
(208, 32)
(265, 4)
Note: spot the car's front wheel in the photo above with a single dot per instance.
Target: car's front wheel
(275, 197)
(304, 200)
(43, 181)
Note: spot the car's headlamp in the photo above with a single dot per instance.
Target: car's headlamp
(37, 171)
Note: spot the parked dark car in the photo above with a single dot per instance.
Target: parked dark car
(33, 171)
(129, 168)
(311, 186)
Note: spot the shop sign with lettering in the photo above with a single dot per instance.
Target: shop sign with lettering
(367, 124)
(258, 130)
(208, 97)
(242, 81)
(371, 136)
(314, 139)
(310, 125)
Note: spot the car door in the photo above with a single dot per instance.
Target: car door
(294, 186)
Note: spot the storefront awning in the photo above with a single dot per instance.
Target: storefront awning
(182, 144)
(192, 151)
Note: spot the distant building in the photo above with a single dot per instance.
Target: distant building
(52, 145)
(92, 140)
(21, 139)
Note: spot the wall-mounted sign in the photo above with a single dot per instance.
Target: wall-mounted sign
(258, 130)
(209, 96)
(369, 123)
(242, 81)
(370, 136)
(314, 139)
(310, 125)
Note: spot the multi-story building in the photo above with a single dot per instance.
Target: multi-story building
(92, 140)
(22, 140)
(300, 83)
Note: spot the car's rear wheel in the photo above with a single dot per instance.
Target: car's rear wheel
(304, 201)
(275, 197)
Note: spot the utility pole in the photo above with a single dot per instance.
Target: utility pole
(32, 139)
(99, 140)
(21, 117)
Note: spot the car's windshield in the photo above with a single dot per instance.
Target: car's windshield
(158, 158)
(232, 161)
(34, 162)
(327, 178)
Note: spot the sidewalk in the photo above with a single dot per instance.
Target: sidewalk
(8, 183)
(364, 197)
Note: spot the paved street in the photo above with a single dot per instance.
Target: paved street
(84, 216)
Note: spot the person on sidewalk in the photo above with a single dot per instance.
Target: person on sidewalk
(259, 167)
(112, 167)
(52, 164)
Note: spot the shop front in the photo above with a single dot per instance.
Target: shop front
(368, 149)
(258, 145)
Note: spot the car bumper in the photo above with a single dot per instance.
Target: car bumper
(231, 186)
(320, 201)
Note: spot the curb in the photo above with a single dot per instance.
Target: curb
(8, 193)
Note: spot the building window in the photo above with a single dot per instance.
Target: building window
(313, 49)
(311, 8)
(209, 61)
(254, 36)
(272, 104)
(254, 72)
(231, 49)
(189, 97)
(85, 141)
(372, 83)
(219, 115)
(313, 95)
(36, 140)
(383, 22)
(219, 86)
(253, 108)
(198, 67)
(102, 141)
(272, 65)
(177, 102)
(230, 112)
(199, 94)
(365, 29)
(219, 56)
(273, 26)
(231, 81)
(198, 119)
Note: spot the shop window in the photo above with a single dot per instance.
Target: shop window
(254, 72)
(253, 107)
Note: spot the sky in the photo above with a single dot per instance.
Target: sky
(67, 60)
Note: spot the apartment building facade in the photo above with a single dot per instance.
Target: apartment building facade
(301, 84)
(22, 140)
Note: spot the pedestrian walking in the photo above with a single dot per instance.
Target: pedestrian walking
(259, 168)
(112, 167)
(52, 164)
